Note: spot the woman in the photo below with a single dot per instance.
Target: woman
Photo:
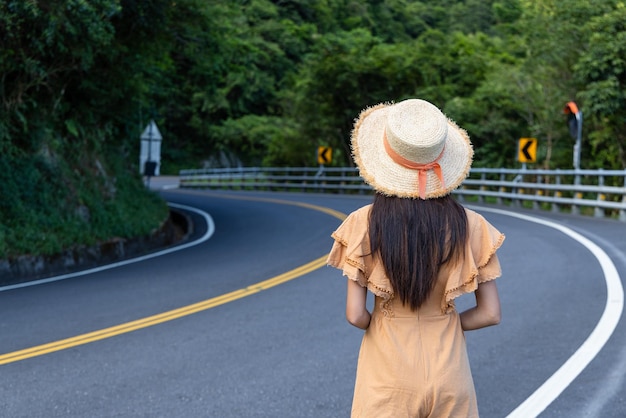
(416, 249)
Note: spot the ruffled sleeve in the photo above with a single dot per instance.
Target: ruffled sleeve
(351, 253)
(480, 262)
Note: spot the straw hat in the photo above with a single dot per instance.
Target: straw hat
(410, 149)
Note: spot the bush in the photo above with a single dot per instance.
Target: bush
(49, 207)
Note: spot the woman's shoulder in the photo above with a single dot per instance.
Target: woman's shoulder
(354, 225)
(482, 231)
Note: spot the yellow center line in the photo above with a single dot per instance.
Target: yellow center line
(329, 211)
(179, 312)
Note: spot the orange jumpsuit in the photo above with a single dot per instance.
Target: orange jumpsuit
(414, 363)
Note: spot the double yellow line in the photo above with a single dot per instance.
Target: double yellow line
(179, 312)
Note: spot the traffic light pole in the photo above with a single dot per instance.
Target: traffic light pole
(578, 144)
(576, 115)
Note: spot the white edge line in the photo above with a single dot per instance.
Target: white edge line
(561, 379)
(205, 237)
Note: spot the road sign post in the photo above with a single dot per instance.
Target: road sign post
(150, 151)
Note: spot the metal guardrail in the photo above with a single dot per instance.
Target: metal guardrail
(599, 192)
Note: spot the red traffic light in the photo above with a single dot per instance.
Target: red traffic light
(570, 107)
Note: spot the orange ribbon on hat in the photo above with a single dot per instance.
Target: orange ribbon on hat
(422, 169)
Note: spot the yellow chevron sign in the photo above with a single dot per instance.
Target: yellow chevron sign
(324, 155)
(527, 150)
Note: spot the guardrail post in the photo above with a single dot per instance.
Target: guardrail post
(501, 189)
(622, 212)
(558, 194)
(483, 177)
(519, 178)
(538, 192)
(598, 212)
(577, 194)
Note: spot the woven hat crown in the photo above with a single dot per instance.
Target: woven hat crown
(416, 130)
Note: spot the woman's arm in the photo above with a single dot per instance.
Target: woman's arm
(487, 309)
(356, 311)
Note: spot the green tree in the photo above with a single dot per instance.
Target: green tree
(601, 69)
(64, 91)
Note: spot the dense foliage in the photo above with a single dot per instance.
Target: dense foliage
(261, 82)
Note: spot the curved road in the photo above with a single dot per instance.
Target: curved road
(247, 324)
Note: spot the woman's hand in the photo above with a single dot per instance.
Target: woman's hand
(356, 311)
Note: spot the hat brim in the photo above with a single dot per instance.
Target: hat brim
(387, 177)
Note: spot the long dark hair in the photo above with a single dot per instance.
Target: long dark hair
(415, 238)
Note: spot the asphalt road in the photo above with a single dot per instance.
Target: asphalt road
(283, 348)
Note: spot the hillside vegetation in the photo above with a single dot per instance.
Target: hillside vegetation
(260, 82)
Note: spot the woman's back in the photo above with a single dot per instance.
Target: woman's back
(414, 239)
